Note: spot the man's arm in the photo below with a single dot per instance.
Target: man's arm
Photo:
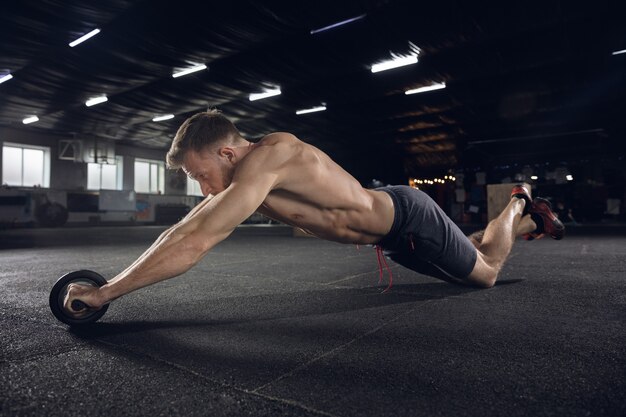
(183, 245)
(189, 215)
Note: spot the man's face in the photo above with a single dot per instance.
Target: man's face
(212, 171)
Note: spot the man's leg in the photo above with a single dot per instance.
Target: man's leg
(526, 225)
(497, 242)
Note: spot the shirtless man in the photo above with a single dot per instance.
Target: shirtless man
(293, 182)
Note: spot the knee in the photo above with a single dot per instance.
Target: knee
(474, 242)
(489, 281)
(484, 280)
(485, 274)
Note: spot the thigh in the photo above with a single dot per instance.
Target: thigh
(413, 262)
(427, 240)
(440, 241)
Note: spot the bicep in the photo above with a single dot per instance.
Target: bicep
(219, 216)
(198, 207)
(255, 177)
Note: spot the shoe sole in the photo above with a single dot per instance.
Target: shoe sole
(525, 195)
(556, 223)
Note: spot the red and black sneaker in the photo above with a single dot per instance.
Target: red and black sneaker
(521, 191)
(547, 222)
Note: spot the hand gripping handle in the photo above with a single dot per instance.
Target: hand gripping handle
(78, 305)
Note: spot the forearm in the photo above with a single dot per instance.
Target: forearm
(182, 246)
(148, 251)
(173, 254)
(189, 215)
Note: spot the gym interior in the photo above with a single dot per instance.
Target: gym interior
(459, 100)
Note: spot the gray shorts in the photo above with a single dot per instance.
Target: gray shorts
(424, 239)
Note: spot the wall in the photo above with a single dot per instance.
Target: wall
(175, 183)
(72, 176)
(69, 176)
(65, 175)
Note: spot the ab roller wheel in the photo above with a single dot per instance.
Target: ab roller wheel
(59, 291)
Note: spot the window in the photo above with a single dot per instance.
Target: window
(193, 187)
(149, 176)
(25, 165)
(105, 176)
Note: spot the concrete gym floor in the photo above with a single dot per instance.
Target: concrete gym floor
(271, 325)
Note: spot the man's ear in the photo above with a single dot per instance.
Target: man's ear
(227, 152)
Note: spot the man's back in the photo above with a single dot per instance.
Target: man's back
(316, 194)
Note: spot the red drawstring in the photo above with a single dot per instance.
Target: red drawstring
(380, 268)
(382, 261)
(380, 255)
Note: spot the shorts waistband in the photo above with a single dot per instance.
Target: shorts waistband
(398, 217)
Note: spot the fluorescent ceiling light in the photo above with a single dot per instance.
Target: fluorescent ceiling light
(5, 78)
(84, 37)
(394, 63)
(623, 51)
(311, 110)
(266, 94)
(96, 100)
(162, 118)
(186, 71)
(30, 119)
(334, 25)
(436, 86)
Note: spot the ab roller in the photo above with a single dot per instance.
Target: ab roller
(59, 291)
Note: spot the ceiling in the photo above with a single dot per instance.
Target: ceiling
(531, 81)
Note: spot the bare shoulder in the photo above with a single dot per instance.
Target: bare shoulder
(270, 155)
(277, 147)
(279, 138)
(289, 151)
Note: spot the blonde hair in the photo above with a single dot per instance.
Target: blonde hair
(199, 131)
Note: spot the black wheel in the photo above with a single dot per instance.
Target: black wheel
(59, 290)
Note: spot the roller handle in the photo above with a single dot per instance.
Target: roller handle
(78, 305)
